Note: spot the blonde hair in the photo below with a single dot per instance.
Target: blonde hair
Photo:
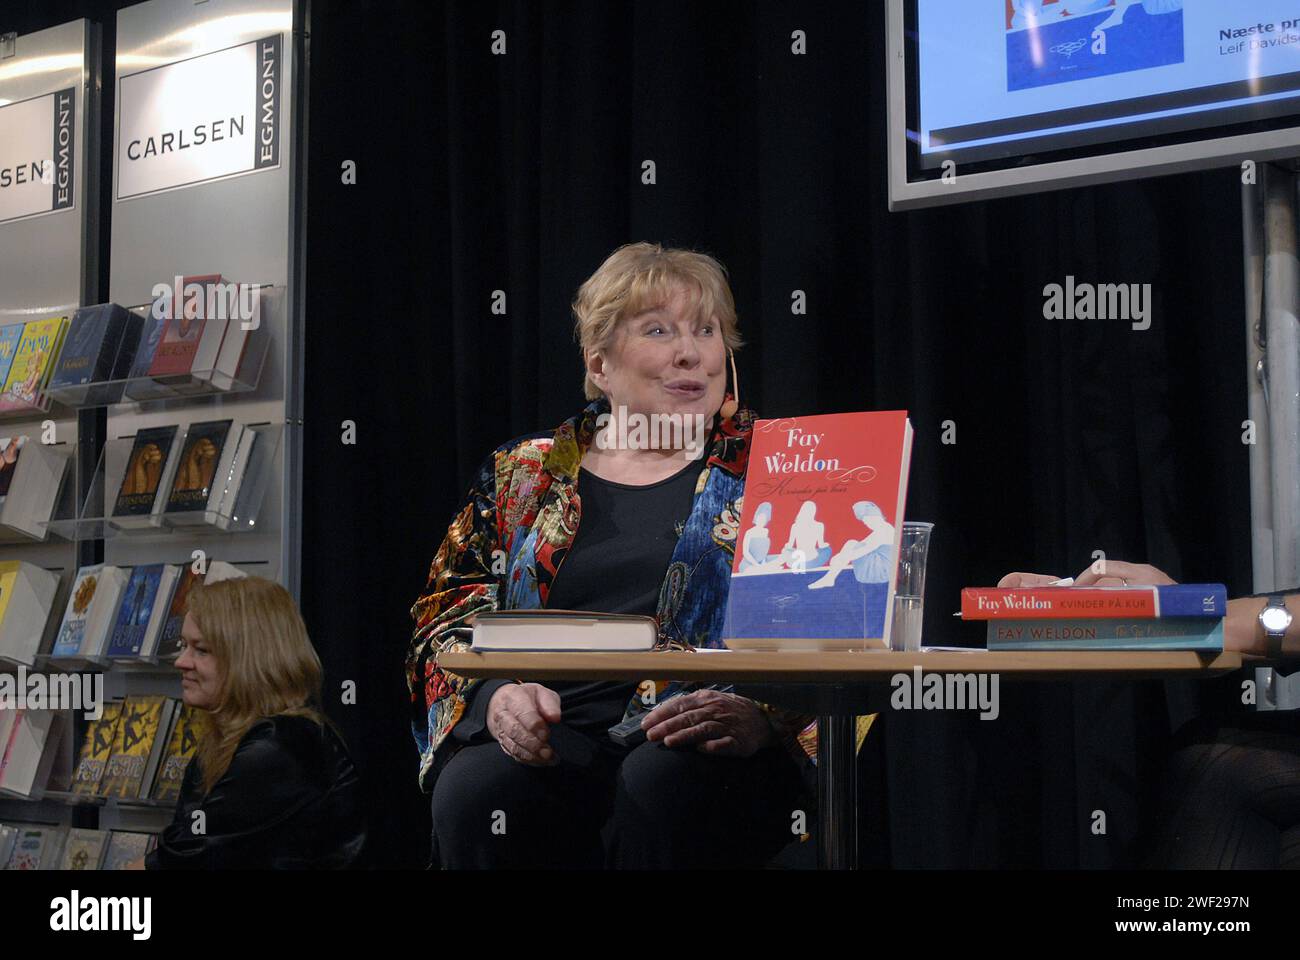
(637, 277)
(267, 664)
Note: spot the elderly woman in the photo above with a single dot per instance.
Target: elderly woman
(522, 773)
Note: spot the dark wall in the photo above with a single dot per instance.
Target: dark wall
(521, 172)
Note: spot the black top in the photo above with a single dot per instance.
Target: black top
(289, 800)
(616, 564)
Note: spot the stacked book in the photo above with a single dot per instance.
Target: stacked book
(1184, 616)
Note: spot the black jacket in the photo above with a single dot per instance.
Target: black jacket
(289, 800)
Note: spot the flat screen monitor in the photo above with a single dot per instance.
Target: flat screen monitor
(996, 97)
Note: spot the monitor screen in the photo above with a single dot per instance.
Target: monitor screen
(1008, 84)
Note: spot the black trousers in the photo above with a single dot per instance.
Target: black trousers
(648, 808)
(1232, 796)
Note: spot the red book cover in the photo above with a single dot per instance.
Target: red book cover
(1095, 603)
(821, 520)
(183, 329)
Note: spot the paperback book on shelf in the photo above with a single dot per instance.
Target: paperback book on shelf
(125, 848)
(91, 608)
(31, 479)
(99, 348)
(96, 750)
(816, 557)
(562, 630)
(27, 595)
(188, 727)
(191, 338)
(29, 754)
(150, 466)
(34, 359)
(143, 609)
(137, 745)
(203, 474)
(84, 849)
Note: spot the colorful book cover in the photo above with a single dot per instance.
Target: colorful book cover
(1064, 603)
(820, 525)
(30, 849)
(187, 731)
(170, 643)
(32, 363)
(1060, 41)
(198, 465)
(135, 736)
(144, 470)
(135, 610)
(96, 750)
(9, 337)
(10, 448)
(72, 632)
(1170, 633)
(125, 848)
(84, 849)
(183, 330)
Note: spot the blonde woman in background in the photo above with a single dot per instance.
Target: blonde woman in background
(272, 778)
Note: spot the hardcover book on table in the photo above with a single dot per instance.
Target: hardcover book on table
(1156, 633)
(816, 558)
(562, 630)
(1124, 603)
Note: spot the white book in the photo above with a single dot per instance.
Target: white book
(233, 346)
(103, 611)
(35, 487)
(26, 598)
(225, 512)
(219, 570)
(8, 840)
(209, 348)
(551, 630)
(33, 747)
(166, 480)
(34, 849)
(171, 575)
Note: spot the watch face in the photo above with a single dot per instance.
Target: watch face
(1275, 618)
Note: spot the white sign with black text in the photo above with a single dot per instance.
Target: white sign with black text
(37, 155)
(212, 116)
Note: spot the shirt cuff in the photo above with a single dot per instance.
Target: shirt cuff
(472, 726)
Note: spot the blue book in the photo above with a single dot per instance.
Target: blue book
(100, 346)
(9, 337)
(150, 336)
(1167, 633)
(135, 611)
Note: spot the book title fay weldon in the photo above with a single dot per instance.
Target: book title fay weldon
(820, 524)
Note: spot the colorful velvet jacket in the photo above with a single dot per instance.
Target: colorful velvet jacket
(510, 537)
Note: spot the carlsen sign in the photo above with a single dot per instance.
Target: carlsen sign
(212, 116)
(37, 155)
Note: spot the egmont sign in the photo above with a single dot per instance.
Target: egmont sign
(37, 155)
(205, 118)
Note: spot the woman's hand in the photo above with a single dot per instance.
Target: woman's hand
(716, 722)
(1103, 573)
(519, 717)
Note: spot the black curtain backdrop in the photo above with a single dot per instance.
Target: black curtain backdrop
(521, 172)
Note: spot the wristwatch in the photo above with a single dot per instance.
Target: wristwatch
(1275, 618)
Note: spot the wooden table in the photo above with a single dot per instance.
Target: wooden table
(836, 680)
